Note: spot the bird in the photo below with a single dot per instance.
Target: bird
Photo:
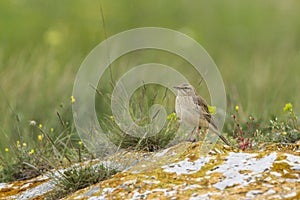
(192, 110)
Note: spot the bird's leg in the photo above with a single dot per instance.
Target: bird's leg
(191, 135)
(201, 135)
(198, 133)
(204, 134)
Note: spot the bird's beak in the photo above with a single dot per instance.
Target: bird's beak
(177, 87)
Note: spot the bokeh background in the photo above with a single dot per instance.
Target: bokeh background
(255, 44)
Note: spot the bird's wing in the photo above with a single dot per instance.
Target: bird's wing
(203, 108)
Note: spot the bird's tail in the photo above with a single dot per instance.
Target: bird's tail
(213, 129)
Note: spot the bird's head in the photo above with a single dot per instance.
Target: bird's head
(185, 89)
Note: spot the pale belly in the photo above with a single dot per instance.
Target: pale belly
(187, 111)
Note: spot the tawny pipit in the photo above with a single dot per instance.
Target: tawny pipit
(193, 111)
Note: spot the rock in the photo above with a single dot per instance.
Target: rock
(182, 172)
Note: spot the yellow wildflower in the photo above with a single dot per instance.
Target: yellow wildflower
(284, 133)
(31, 151)
(53, 37)
(288, 107)
(80, 142)
(212, 109)
(6, 149)
(40, 126)
(40, 137)
(24, 144)
(65, 161)
(72, 99)
(236, 108)
(112, 118)
(171, 116)
(18, 143)
(52, 130)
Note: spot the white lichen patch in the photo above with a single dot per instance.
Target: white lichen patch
(3, 185)
(160, 154)
(290, 195)
(186, 166)
(293, 161)
(151, 182)
(237, 162)
(275, 173)
(35, 191)
(206, 196)
(165, 193)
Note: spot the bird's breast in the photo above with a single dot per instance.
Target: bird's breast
(187, 110)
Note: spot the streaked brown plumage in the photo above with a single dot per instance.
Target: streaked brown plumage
(192, 110)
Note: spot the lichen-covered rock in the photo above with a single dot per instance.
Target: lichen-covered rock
(183, 172)
(27, 189)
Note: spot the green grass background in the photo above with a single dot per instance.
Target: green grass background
(255, 44)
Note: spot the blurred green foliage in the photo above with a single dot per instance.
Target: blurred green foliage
(255, 44)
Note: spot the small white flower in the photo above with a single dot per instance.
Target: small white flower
(32, 123)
